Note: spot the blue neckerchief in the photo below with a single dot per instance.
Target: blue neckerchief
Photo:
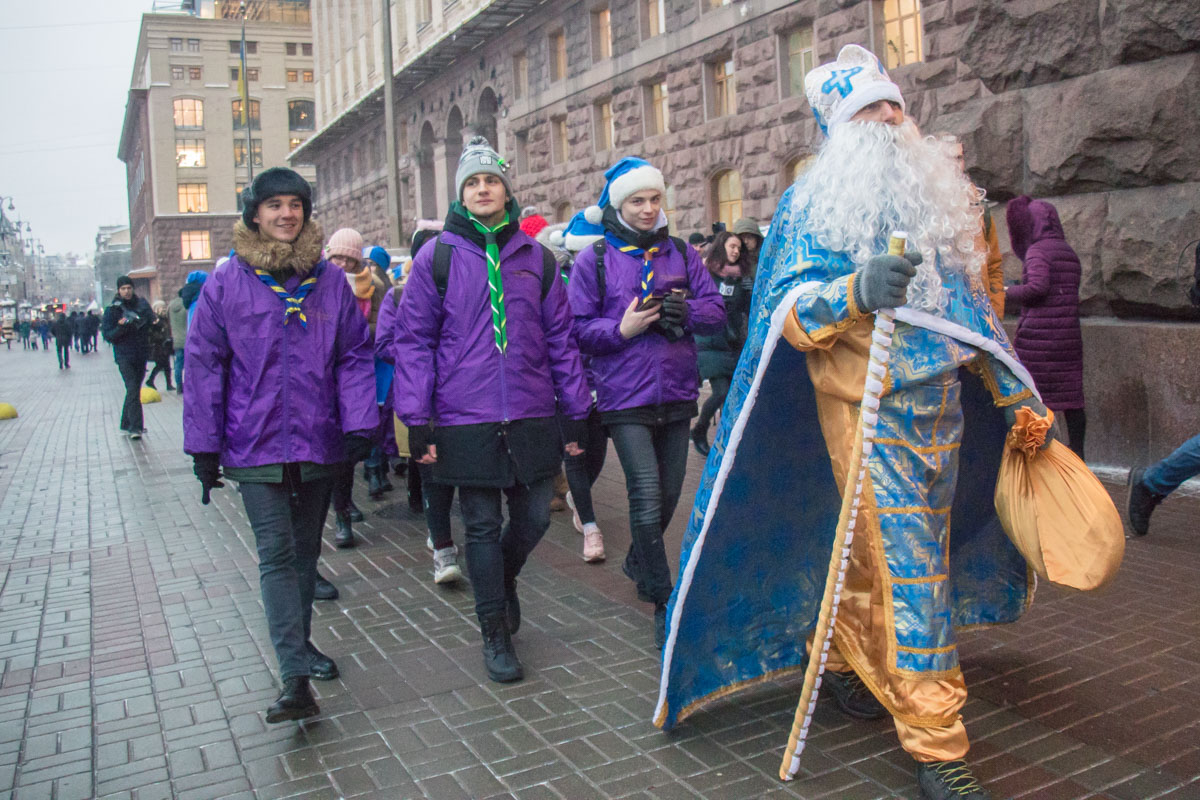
(291, 302)
(647, 255)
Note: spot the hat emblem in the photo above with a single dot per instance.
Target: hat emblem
(839, 80)
(485, 160)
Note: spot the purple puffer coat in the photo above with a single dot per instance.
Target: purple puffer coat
(448, 368)
(1048, 339)
(646, 370)
(260, 392)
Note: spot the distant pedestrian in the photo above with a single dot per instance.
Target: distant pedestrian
(43, 332)
(279, 392)
(161, 345)
(93, 329)
(24, 327)
(1048, 339)
(177, 318)
(78, 326)
(63, 333)
(126, 326)
(484, 361)
(749, 233)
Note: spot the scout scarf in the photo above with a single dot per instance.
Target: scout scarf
(361, 284)
(491, 250)
(291, 302)
(647, 254)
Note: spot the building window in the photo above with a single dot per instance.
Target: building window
(193, 198)
(289, 48)
(194, 73)
(176, 73)
(902, 32)
(402, 138)
(654, 17)
(562, 212)
(251, 73)
(235, 47)
(254, 117)
(306, 49)
(176, 45)
(668, 207)
(239, 152)
(520, 75)
(189, 153)
(558, 56)
(559, 147)
(602, 118)
(658, 109)
(294, 142)
(522, 152)
(727, 197)
(193, 45)
(293, 76)
(795, 167)
(308, 76)
(601, 35)
(239, 188)
(234, 72)
(723, 98)
(718, 3)
(801, 58)
(194, 246)
(424, 12)
(301, 115)
(189, 114)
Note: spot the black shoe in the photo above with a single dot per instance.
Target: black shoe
(949, 780)
(1140, 502)
(628, 567)
(320, 666)
(295, 702)
(382, 471)
(151, 385)
(700, 440)
(343, 536)
(374, 487)
(660, 625)
(852, 695)
(356, 514)
(512, 610)
(499, 657)
(324, 590)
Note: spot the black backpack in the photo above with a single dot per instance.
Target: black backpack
(441, 268)
(598, 248)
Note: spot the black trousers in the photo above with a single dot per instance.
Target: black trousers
(1076, 422)
(64, 354)
(133, 370)
(582, 471)
(720, 390)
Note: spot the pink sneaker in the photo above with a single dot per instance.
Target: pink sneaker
(575, 520)
(593, 547)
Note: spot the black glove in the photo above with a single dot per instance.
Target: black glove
(207, 469)
(883, 282)
(357, 447)
(420, 437)
(574, 430)
(674, 310)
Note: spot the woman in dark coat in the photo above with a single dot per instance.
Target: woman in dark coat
(1048, 338)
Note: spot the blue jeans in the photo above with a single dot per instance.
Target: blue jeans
(179, 368)
(1165, 476)
(287, 519)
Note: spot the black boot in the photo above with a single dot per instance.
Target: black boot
(852, 695)
(320, 666)
(344, 536)
(499, 658)
(374, 487)
(416, 497)
(660, 626)
(324, 590)
(295, 702)
(1140, 502)
(383, 478)
(949, 780)
(700, 439)
(356, 514)
(512, 610)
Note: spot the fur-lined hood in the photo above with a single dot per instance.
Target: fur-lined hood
(263, 252)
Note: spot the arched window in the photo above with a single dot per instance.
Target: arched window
(255, 118)
(727, 196)
(189, 114)
(794, 167)
(302, 115)
(562, 212)
(668, 207)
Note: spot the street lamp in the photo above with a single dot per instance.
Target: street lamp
(9, 198)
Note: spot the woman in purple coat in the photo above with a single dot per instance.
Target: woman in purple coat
(636, 316)
(1048, 338)
(484, 362)
(280, 392)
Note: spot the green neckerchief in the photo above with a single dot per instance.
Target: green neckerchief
(491, 251)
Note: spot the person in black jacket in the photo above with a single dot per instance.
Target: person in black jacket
(62, 331)
(126, 325)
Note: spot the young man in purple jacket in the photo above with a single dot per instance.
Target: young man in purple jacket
(280, 392)
(636, 318)
(484, 361)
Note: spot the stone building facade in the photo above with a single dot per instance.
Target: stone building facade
(1087, 103)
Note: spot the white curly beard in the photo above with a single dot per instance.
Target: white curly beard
(871, 179)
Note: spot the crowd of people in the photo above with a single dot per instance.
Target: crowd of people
(74, 331)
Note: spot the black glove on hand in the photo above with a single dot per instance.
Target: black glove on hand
(574, 430)
(420, 437)
(207, 469)
(883, 282)
(357, 447)
(674, 310)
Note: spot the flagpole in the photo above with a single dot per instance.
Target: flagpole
(244, 90)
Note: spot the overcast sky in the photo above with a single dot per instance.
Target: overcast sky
(64, 76)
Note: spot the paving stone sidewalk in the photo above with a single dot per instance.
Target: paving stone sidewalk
(136, 663)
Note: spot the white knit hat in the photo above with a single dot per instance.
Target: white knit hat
(839, 90)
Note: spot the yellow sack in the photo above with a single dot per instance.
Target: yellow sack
(401, 437)
(1055, 510)
(150, 395)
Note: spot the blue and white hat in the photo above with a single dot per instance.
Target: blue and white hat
(578, 234)
(628, 176)
(839, 90)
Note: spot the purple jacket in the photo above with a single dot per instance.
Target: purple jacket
(647, 369)
(260, 392)
(1048, 339)
(447, 366)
